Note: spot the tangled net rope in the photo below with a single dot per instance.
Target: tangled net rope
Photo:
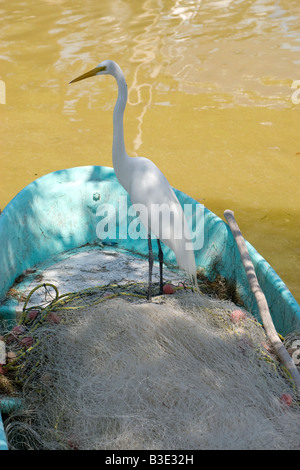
(104, 369)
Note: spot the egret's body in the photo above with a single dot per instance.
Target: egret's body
(146, 185)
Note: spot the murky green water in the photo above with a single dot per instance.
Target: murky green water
(210, 102)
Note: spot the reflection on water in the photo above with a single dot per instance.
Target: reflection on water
(210, 87)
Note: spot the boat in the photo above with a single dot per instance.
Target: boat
(58, 214)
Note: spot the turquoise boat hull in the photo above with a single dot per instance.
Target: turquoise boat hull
(57, 213)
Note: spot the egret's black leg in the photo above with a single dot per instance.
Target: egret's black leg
(161, 260)
(150, 267)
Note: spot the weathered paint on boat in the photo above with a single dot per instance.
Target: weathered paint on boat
(58, 212)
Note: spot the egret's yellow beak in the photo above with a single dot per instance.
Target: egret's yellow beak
(91, 73)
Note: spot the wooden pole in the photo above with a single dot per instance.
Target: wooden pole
(261, 300)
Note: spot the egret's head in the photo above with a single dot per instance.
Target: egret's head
(105, 68)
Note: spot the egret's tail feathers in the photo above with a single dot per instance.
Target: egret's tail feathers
(176, 235)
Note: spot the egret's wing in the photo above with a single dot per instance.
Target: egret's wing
(162, 213)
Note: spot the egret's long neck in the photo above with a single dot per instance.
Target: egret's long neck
(120, 157)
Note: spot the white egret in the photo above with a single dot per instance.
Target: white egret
(148, 188)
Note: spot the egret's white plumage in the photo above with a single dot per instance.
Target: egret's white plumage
(145, 183)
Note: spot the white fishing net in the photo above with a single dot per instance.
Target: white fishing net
(173, 374)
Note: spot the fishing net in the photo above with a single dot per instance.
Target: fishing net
(105, 369)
